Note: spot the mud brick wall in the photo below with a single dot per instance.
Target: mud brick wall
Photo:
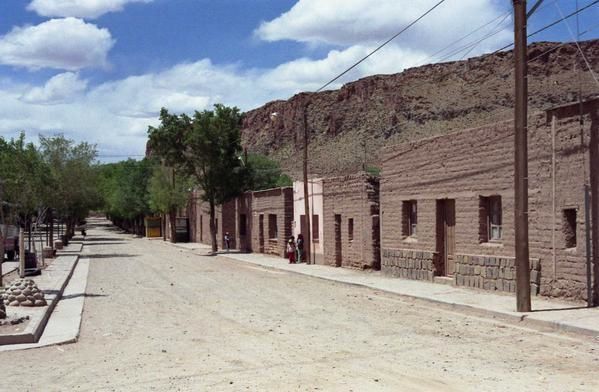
(279, 202)
(198, 212)
(243, 206)
(227, 223)
(202, 222)
(352, 197)
(494, 273)
(474, 163)
(410, 264)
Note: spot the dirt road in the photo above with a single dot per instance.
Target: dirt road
(159, 318)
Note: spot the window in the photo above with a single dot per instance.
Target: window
(315, 227)
(490, 221)
(409, 218)
(273, 232)
(569, 227)
(242, 224)
(350, 229)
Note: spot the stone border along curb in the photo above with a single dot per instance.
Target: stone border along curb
(520, 319)
(37, 324)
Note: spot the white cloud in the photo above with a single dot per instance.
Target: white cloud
(308, 74)
(61, 88)
(352, 22)
(68, 43)
(89, 9)
(116, 114)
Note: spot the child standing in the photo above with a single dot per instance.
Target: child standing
(291, 251)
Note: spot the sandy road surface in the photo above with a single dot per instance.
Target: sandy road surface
(159, 318)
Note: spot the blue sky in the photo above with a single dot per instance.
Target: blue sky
(99, 70)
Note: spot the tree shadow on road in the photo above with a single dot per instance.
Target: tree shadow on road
(70, 296)
(109, 255)
(102, 239)
(107, 243)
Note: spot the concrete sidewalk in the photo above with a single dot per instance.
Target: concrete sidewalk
(547, 313)
(63, 322)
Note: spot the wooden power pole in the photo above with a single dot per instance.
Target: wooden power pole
(521, 159)
(308, 239)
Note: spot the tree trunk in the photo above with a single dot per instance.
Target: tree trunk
(1, 254)
(173, 220)
(213, 226)
(51, 229)
(163, 224)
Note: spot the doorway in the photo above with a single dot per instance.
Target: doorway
(338, 243)
(261, 233)
(446, 236)
(201, 228)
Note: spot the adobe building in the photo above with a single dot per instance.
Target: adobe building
(316, 210)
(243, 222)
(198, 212)
(447, 204)
(256, 221)
(271, 220)
(351, 221)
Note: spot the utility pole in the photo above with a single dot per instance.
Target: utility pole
(521, 159)
(308, 239)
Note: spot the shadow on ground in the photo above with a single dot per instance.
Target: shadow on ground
(109, 256)
(70, 296)
(107, 243)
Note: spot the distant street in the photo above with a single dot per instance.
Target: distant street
(160, 318)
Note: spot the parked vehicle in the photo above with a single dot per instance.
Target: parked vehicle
(11, 240)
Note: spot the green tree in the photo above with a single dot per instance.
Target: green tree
(168, 192)
(21, 180)
(24, 179)
(264, 173)
(206, 148)
(123, 186)
(71, 169)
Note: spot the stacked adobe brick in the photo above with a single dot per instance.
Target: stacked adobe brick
(354, 197)
(468, 165)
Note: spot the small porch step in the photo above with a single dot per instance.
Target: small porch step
(448, 280)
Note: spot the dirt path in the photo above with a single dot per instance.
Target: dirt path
(160, 318)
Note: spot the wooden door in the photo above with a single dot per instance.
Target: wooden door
(338, 243)
(201, 228)
(261, 233)
(446, 235)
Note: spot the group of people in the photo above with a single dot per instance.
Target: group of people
(295, 249)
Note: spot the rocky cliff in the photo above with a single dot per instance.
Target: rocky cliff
(349, 126)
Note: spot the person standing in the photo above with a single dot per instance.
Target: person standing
(227, 241)
(291, 250)
(300, 247)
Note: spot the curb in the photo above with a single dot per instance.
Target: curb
(523, 318)
(35, 329)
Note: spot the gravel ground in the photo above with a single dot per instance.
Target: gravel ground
(158, 318)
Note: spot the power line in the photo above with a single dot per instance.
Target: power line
(432, 56)
(576, 42)
(470, 45)
(552, 24)
(501, 112)
(381, 46)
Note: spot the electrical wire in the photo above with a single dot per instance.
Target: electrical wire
(434, 55)
(576, 42)
(552, 24)
(380, 46)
